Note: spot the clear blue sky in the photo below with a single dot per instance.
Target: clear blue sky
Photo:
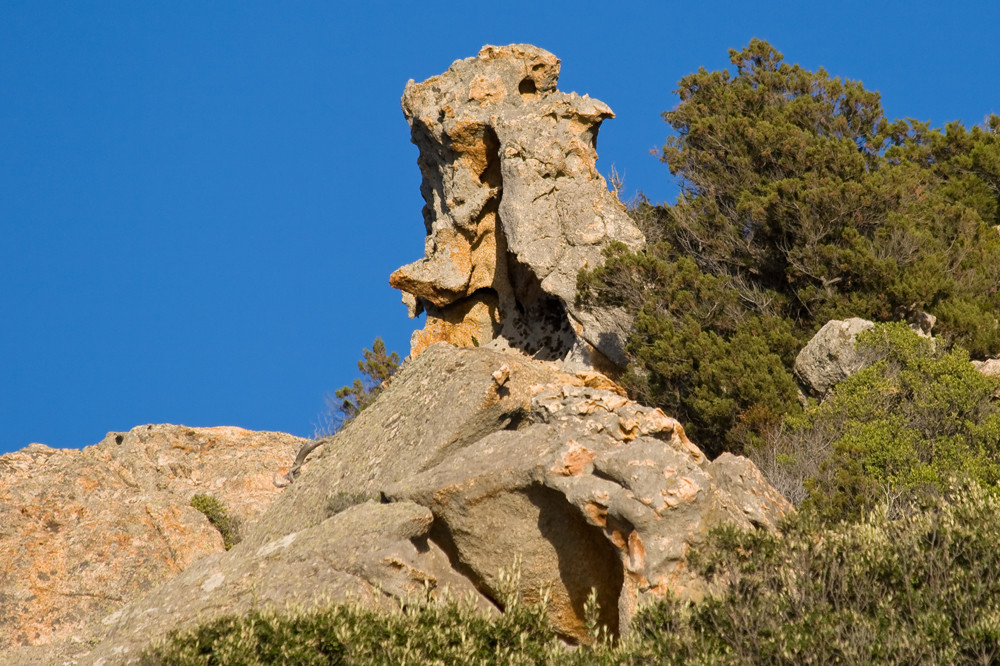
(201, 202)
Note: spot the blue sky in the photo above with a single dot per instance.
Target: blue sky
(201, 202)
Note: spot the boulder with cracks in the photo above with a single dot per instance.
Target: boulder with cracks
(594, 491)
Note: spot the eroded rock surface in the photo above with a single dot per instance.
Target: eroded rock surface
(990, 367)
(371, 554)
(595, 491)
(515, 207)
(83, 532)
(471, 459)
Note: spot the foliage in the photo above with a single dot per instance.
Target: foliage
(218, 515)
(800, 203)
(923, 589)
(916, 418)
(426, 631)
(695, 351)
(376, 367)
(909, 424)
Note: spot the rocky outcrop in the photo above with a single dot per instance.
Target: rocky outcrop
(990, 367)
(921, 323)
(830, 357)
(498, 444)
(595, 492)
(377, 555)
(515, 207)
(84, 532)
(471, 460)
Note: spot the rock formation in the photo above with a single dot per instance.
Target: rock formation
(84, 532)
(990, 367)
(469, 459)
(497, 443)
(829, 357)
(515, 207)
(592, 490)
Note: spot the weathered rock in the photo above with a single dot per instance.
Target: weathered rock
(990, 367)
(438, 403)
(515, 207)
(485, 457)
(921, 323)
(597, 492)
(83, 532)
(830, 356)
(370, 554)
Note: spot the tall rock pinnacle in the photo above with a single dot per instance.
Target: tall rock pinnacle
(515, 207)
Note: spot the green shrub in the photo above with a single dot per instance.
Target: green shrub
(376, 367)
(923, 589)
(910, 424)
(447, 632)
(215, 511)
(695, 351)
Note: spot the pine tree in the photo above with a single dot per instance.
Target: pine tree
(800, 203)
(376, 367)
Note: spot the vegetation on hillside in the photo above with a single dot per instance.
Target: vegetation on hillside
(801, 202)
(914, 422)
(230, 527)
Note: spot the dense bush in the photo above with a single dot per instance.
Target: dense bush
(449, 633)
(923, 589)
(695, 350)
(424, 632)
(916, 419)
(800, 203)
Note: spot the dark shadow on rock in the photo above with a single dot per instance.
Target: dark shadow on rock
(586, 559)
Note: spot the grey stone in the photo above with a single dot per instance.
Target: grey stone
(370, 554)
(595, 491)
(830, 356)
(990, 367)
(921, 323)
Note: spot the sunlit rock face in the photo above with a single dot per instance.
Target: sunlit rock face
(515, 207)
(85, 531)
